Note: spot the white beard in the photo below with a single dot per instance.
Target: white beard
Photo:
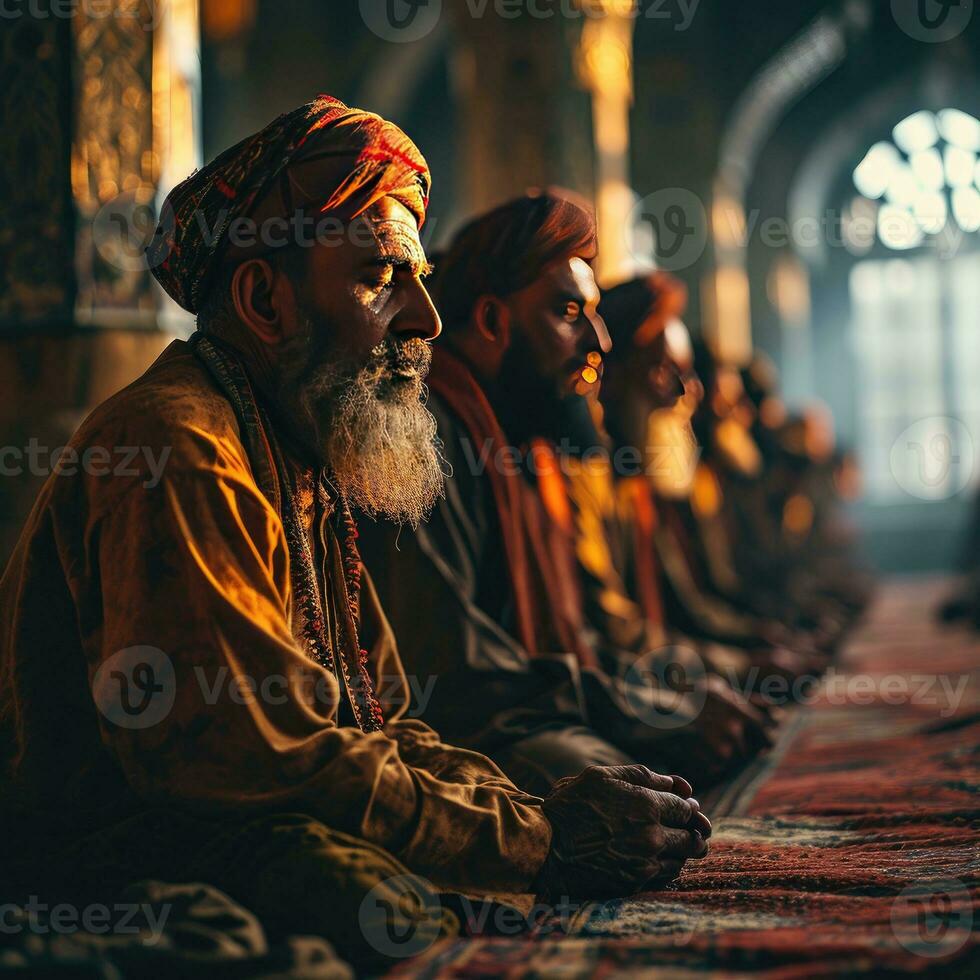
(376, 435)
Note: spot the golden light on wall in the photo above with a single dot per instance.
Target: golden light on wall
(176, 83)
(727, 307)
(727, 224)
(606, 55)
(788, 287)
(136, 133)
(605, 65)
(725, 291)
(110, 171)
(224, 20)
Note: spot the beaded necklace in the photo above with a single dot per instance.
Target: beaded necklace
(275, 481)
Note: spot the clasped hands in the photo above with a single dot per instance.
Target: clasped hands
(617, 830)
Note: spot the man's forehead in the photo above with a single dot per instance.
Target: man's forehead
(575, 276)
(392, 228)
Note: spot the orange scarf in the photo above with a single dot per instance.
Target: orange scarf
(539, 549)
(644, 525)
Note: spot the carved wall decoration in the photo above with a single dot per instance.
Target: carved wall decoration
(36, 220)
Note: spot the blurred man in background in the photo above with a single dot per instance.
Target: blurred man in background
(522, 337)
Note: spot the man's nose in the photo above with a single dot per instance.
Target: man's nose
(418, 316)
(601, 332)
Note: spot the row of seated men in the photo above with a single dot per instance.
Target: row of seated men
(370, 601)
(674, 531)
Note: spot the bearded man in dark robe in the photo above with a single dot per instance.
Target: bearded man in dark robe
(518, 670)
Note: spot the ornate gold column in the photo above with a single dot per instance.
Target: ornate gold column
(727, 299)
(524, 119)
(36, 215)
(137, 78)
(99, 106)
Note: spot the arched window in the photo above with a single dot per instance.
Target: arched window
(914, 317)
(923, 183)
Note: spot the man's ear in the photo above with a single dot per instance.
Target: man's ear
(491, 317)
(256, 293)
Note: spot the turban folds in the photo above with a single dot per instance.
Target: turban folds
(323, 158)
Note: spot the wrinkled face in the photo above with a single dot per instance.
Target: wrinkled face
(555, 326)
(351, 376)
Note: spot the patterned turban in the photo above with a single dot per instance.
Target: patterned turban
(322, 159)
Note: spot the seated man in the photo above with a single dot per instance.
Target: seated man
(196, 681)
(690, 538)
(518, 671)
(616, 521)
(644, 373)
(759, 543)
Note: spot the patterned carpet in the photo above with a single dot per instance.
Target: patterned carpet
(852, 848)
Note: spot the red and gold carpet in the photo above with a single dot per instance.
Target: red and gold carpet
(852, 848)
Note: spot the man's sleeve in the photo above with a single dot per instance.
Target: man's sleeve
(197, 567)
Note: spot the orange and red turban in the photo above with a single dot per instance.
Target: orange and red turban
(508, 248)
(321, 159)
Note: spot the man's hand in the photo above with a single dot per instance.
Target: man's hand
(732, 727)
(618, 828)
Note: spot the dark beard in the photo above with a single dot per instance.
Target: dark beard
(531, 406)
(527, 404)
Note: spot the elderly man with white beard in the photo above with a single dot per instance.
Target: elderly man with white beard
(196, 680)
